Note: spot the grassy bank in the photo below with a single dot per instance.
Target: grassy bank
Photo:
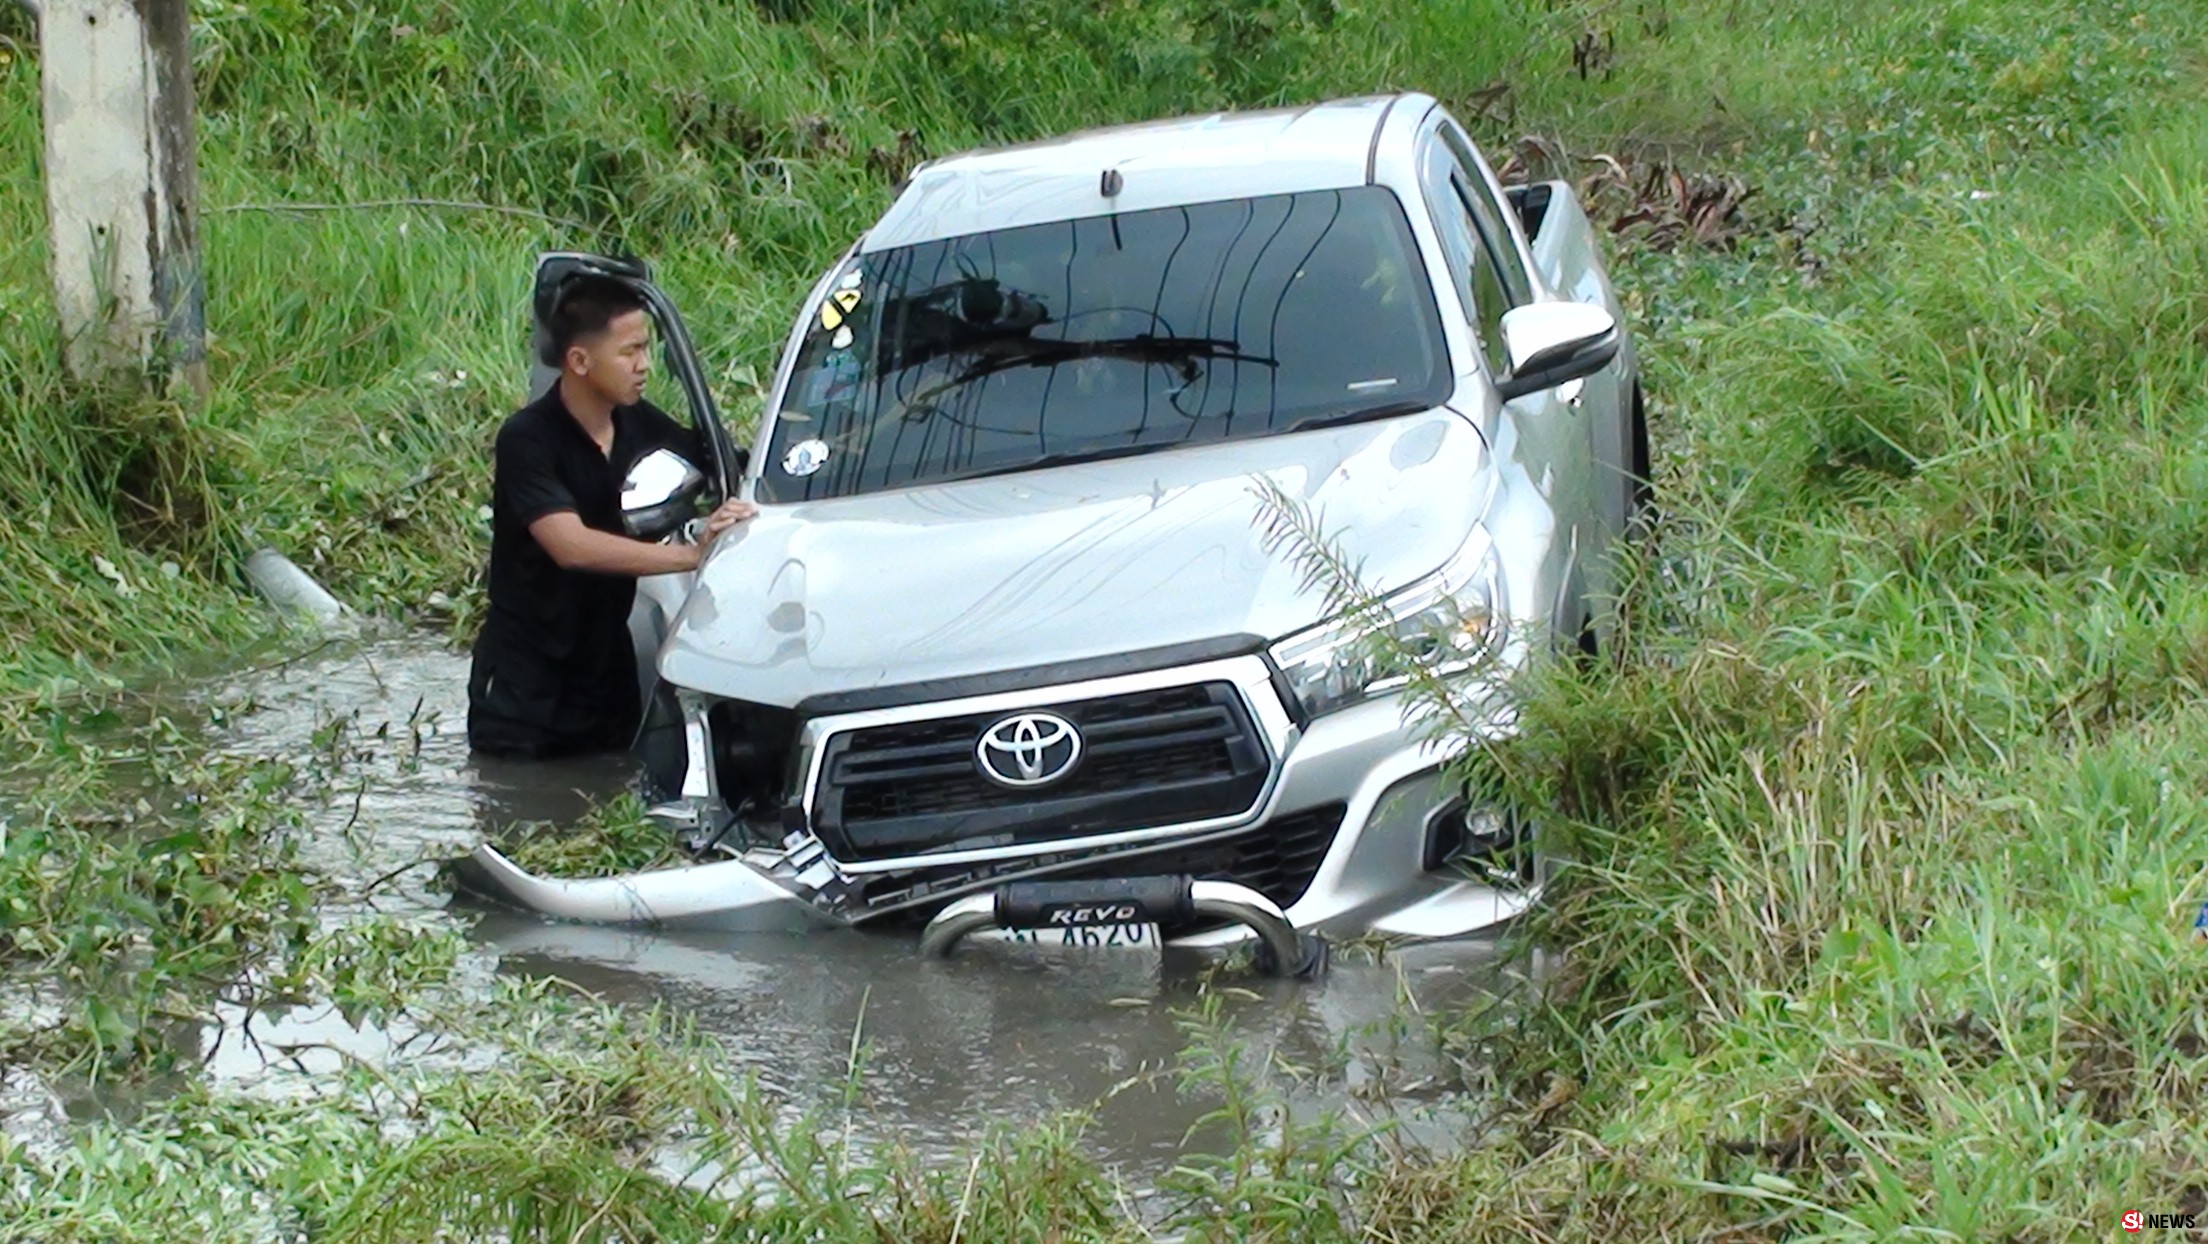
(1890, 823)
(1891, 820)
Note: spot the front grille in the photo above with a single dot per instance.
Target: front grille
(1280, 860)
(1149, 758)
(1277, 859)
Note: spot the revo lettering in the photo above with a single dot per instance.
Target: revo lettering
(1115, 913)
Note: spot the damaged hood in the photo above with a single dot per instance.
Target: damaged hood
(1066, 563)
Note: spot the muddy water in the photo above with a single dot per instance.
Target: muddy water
(999, 1035)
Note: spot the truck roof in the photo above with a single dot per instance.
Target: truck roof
(1201, 159)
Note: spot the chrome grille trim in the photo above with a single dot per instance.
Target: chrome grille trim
(1250, 675)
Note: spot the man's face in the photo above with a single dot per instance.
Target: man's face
(616, 361)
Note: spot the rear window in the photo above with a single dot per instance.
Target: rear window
(1107, 335)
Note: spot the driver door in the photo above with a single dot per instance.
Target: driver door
(658, 597)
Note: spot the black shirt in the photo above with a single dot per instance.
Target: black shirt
(557, 640)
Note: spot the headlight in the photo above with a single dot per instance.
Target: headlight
(1453, 620)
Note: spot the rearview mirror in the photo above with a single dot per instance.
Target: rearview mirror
(660, 494)
(1552, 342)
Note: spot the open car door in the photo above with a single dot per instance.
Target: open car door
(658, 596)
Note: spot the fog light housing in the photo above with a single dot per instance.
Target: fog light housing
(1491, 842)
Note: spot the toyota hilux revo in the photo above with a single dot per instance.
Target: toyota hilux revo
(1016, 639)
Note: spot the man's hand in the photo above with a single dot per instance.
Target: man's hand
(730, 513)
(576, 547)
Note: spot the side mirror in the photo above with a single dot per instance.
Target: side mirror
(1552, 342)
(660, 494)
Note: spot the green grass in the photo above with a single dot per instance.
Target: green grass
(1890, 821)
(1888, 826)
(613, 837)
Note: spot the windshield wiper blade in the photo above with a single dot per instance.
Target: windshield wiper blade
(1180, 353)
(1142, 347)
(1365, 414)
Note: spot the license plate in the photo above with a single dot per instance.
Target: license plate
(1087, 937)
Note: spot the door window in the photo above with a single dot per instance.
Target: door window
(1488, 216)
(1472, 264)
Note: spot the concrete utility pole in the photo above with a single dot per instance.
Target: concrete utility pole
(122, 187)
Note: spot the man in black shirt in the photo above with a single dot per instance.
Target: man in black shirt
(555, 671)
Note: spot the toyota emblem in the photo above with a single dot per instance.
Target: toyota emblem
(1028, 749)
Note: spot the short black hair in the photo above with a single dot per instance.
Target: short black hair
(585, 306)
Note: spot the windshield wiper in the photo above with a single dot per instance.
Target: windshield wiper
(1180, 353)
(1335, 419)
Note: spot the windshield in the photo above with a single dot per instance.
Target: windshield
(1104, 336)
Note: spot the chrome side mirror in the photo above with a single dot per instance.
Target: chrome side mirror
(1552, 342)
(660, 494)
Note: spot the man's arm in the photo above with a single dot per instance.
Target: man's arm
(574, 546)
(534, 491)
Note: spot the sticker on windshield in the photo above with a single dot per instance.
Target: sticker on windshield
(842, 337)
(838, 307)
(850, 279)
(805, 457)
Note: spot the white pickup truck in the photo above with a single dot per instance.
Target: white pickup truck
(1011, 642)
